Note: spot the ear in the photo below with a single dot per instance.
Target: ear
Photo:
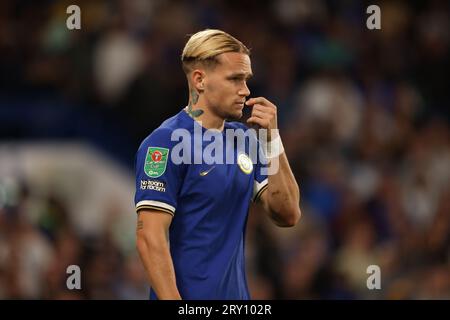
(197, 79)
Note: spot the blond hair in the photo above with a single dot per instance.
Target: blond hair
(204, 46)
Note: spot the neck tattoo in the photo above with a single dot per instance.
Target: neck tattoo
(194, 99)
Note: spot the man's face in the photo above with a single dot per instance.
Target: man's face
(226, 85)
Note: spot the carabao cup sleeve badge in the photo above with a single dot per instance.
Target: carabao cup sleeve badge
(156, 161)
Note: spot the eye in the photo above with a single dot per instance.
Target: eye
(237, 80)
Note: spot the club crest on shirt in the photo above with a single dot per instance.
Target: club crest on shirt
(245, 163)
(156, 161)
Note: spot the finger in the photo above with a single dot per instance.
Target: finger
(255, 120)
(260, 100)
(260, 114)
(265, 109)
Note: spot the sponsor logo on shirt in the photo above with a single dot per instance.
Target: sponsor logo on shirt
(204, 173)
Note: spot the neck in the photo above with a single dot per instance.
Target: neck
(198, 110)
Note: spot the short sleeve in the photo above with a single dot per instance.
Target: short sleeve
(158, 179)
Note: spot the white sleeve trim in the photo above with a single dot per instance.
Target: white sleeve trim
(258, 186)
(154, 203)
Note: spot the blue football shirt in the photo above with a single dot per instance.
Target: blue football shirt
(209, 204)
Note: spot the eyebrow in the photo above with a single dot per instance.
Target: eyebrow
(241, 75)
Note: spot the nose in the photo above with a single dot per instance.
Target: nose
(245, 91)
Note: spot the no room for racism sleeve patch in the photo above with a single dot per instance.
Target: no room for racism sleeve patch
(156, 161)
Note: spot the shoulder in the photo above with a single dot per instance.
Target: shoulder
(162, 136)
(159, 137)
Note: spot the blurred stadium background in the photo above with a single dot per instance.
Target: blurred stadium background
(364, 119)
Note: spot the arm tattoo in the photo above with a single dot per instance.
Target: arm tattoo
(140, 225)
(194, 99)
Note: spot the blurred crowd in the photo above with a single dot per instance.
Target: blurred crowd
(363, 115)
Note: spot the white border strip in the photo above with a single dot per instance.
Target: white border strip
(155, 204)
(258, 186)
